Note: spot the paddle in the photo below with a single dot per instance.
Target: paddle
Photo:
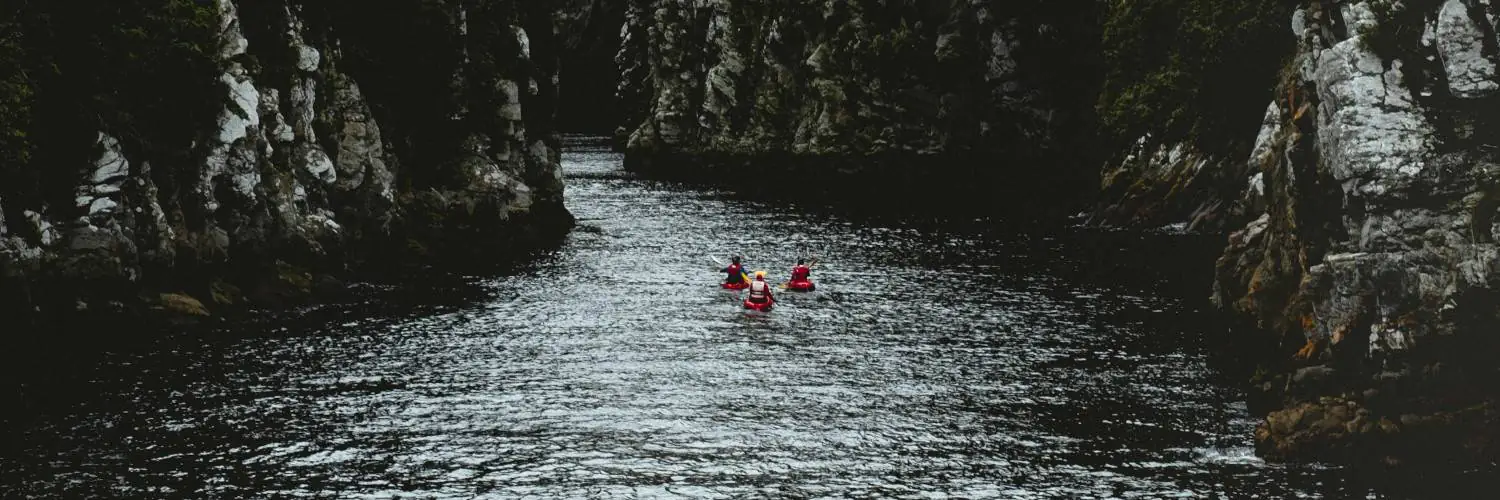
(723, 265)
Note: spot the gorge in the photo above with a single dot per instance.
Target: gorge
(214, 151)
(1360, 262)
(1344, 151)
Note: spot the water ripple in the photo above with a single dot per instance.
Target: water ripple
(930, 364)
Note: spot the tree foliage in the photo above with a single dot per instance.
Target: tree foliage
(144, 71)
(1191, 69)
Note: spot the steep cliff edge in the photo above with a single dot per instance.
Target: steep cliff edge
(1374, 261)
(959, 95)
(215, 151)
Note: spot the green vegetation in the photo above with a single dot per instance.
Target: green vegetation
(144, 71)
(898, 55)
(409, 81)
(1194, 70)
(16, 97)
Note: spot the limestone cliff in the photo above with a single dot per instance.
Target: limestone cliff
(1374, 259)
(293, 139)
(905, 91)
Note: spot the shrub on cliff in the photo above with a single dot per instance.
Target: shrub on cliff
(1193, 70)
(419, 72)
(145, 71)
(16, 95)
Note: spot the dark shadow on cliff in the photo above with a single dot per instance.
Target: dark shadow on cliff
(587, 73)
(953, 187)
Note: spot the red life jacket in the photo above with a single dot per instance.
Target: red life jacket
(800, 273)
(735, 274)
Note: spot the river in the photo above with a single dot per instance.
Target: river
(931, 362)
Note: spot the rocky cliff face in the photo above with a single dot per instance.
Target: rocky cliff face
(333, 141)
(951, 90)
(1374, 260)
(1176, 184)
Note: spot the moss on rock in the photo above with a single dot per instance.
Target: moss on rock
(181, 304)
(225, 294)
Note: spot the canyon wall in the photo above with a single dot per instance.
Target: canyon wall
(187, 155)
(1373, 263)
(216, 153)
(901, 93)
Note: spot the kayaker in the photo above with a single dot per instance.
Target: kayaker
(760, 291)
(802, 271)
(735, 272)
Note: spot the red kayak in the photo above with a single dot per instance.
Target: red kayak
(800, 286)
(762, 307)
(736, 286)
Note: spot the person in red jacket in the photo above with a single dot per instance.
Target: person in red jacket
(802, 271)
(800, 277)
(735, 273)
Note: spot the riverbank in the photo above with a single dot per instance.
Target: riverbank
(61, 297)
(46, 371)
(51, 347)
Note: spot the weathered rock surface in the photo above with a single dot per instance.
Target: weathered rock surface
(320, 159)
(942, 90)
(1374, 261)
(1176, 184)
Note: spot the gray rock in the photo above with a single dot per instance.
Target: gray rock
(1312, 374)
(307, 58)
(298, 167)
(318, 165)
(234, 42)
(1460, 43)
(93, 238)
(707, 77)
(111, 165)
(1369, 131)
(1375, 240)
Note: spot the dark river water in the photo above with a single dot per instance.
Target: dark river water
(931, 363)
